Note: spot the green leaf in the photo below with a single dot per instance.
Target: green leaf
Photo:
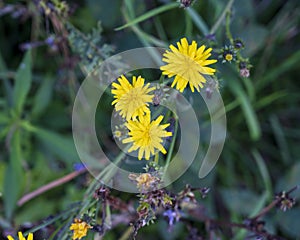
(289, 222)
(43, 96)
(149, 14)
(290, 180)
(63, 146)
(241, 201)
(263, 169)
(250, 115)
(280, 139)
(4, 118)
(33, 209)
(254, 37)
(13, 176)
(22, 83)
(4, 223)
(199, 22)
(6, 83)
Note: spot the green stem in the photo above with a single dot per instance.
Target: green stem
(171, 148)
(188, 25)
(221, 18)
(200, 24)
(112, 167)
(126, 234)
(228, 32)
(105, 173)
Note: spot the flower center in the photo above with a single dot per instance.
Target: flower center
(228, 57)
(147, 136)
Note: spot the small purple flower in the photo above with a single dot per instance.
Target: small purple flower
(78, 166)
(50, 40)
(172, 215)
(211, 37)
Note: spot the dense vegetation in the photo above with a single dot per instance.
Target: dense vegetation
(48, 48)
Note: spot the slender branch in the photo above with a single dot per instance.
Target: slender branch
(271, 205)
(49, 186)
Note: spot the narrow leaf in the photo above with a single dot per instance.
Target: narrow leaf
(3, 118)
(13, 176)
(149, 14)
(245, 103)
(201, 25)
(22, 83)
(43, 96)
(63, 146)
(250, 116)
(6, 83)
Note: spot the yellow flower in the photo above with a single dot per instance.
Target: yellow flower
(79, 228)
(188, 64)
(229, 57)
(132, 100)
(146, 135)
(21, 237)
(117, 133)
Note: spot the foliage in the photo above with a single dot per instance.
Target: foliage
(47, 49)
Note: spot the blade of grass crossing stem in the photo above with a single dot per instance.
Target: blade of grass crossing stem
(129, 8)
(22, 83)
(149, 14)
(143, 37)
(13, 176)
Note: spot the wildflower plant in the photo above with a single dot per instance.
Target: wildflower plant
(189, 65)
(132, 100)
(157, 132)
(21, 237)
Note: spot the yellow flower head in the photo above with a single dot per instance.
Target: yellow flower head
(146, 135)
(188, 64)
(132, 100)
(117, 133)
(79, 228)
(229, 57)
(21, 237)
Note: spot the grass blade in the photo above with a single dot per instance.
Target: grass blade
(148, 15)
(250, 116)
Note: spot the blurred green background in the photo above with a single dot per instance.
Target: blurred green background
(37, 89)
